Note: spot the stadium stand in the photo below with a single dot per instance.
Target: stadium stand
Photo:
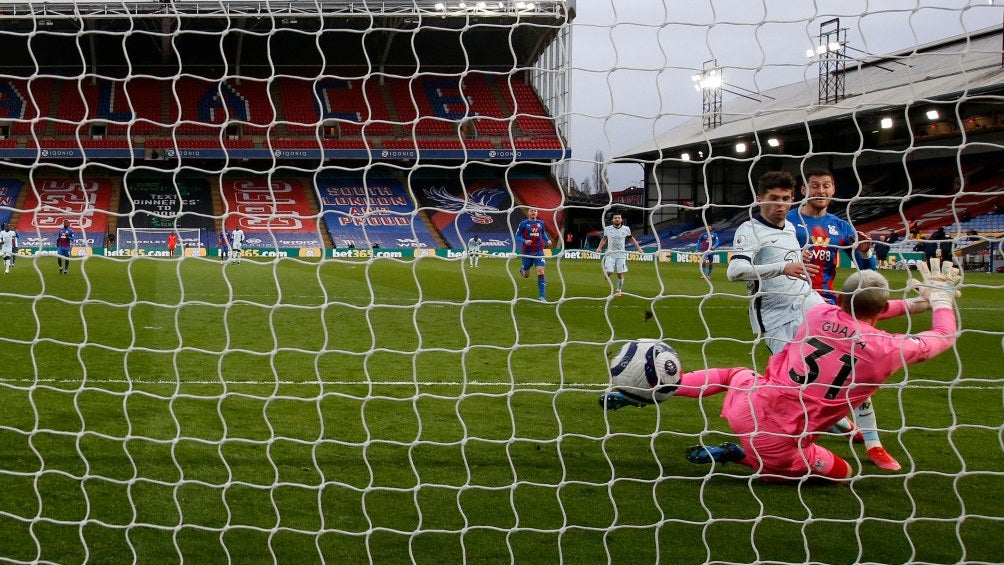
(989, 223)
(15, 96)
(534, 189)
(144, 96)
(938, 210)
(433, 111)
(10, 190)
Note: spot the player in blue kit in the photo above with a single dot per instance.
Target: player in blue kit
(64, 242)
(531, 237)
(823, 236)
(224, 244)
(706, 243)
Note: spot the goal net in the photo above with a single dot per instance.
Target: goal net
(355, 386)
(158, 239)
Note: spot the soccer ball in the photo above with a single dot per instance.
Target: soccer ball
(646, 370)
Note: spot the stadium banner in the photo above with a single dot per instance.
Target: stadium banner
(372, 211)
(901, 259)
(70, 153)
(149, 252)
(273, 214)
(54, 200)
(478, 204)
(165, 202)
(669, 256)
(281, 240)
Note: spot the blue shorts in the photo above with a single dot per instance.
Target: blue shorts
(532, 261)
(63, 251)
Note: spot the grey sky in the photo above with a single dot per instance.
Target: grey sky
(632, 60)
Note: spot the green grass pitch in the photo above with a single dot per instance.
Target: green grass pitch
(395, 411)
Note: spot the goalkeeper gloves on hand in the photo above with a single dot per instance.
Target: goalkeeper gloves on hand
(939, 284)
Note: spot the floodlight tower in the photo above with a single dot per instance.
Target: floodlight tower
(709, 82)
(832, 54)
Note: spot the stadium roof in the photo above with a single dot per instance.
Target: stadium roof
(386, 33)
(966, 65)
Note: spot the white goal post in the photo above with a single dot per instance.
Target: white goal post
(157, 238)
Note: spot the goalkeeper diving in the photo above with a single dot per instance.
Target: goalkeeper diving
(838, 359)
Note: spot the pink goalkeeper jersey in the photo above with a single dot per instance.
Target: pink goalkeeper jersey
(836, 363)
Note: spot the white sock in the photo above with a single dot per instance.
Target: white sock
(864, 417)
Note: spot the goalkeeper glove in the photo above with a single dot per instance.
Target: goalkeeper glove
(939, 284)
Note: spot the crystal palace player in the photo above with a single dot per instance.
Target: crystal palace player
(64, 241)
(224, 238)
(531, 237)
(824, 236)
(706, 243)
(837, 360)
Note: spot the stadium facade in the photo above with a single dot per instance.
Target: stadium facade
(912, 135)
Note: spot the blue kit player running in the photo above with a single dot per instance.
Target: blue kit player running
(823, 236)
(64, 241)
(706, 243)
(531, 237)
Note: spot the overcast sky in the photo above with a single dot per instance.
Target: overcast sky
(632, 59)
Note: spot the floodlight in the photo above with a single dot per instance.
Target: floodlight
(832, 46)
(773, 142)
(933, 115)
(707, 80)
(440, 6)
(740, 147)
(886, 123)
(684, 156)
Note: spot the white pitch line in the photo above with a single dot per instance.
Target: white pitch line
(311, 383)
(519, 385)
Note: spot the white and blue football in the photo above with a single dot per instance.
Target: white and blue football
(646, 371)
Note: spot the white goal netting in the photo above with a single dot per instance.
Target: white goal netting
(348, 357)
(158, 239)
